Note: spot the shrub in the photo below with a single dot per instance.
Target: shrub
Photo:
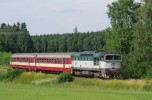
(65, 77)
(5, 58)
(149, 74)
(12, 73)
(1, 75)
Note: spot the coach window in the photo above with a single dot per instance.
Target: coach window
(40, 60)
(53, 60)
(50, 60)
(22, 59)
(25, 59)
(58, 60)
(47, 60)
(19, 59)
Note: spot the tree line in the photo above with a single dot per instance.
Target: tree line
(130, 35)
(73, 42)
(16, 38)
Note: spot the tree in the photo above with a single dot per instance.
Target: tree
(143, 39)
(122, 14)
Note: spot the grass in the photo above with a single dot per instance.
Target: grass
(50, 80)
(41, 86)
(33, 92)
(33, 78)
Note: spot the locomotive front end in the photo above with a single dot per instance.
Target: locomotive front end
(111, 66)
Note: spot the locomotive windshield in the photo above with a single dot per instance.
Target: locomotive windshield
(112, 57)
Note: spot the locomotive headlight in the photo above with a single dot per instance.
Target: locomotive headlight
(112, 64)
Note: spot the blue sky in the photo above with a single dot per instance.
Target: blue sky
(56, 16)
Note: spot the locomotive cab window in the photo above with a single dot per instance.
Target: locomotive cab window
(113, 57)
(117, 57)
(109, 57)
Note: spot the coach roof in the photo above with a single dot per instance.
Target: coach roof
(47, 55)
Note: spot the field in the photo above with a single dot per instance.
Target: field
(33, 92)
(41, 86)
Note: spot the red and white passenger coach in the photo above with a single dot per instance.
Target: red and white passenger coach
(58, 62)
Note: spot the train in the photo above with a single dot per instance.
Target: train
(87, 63)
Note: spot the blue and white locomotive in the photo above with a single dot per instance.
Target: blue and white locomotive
(96, 64)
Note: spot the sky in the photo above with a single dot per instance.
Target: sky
(56, 16)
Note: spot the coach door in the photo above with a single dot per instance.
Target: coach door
(31, 61)
(63, 64)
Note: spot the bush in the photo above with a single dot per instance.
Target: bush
(65, 77)
(5, 58)
(149, 74)
(12, 73)
(1, 75)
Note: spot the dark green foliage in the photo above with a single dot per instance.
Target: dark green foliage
(122, 14)
(131, 36)
(11, 74)
(1, 75)
(149, 74)
(143, 39)
(65, 77)
(69, 42)
(15, 38)
(4, 58)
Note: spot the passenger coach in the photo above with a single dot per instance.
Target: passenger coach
(58, 62)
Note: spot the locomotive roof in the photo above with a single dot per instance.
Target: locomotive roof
(42, 55)
(93, 53)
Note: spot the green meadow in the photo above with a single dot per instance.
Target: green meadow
(33, 92)
(41, 86)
